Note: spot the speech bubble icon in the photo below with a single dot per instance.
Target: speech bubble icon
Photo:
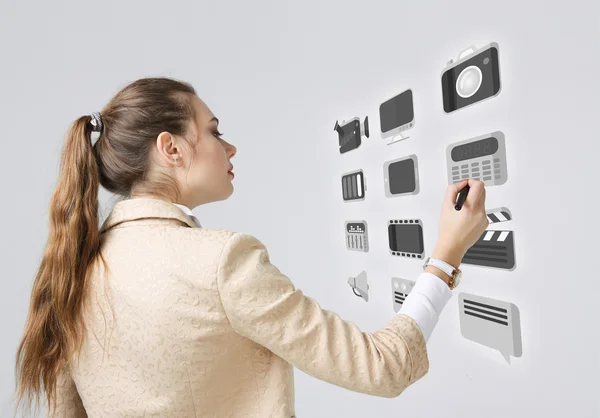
(493, 323)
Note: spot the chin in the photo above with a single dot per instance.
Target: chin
(228, 193)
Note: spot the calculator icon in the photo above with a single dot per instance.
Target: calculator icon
(481, 158)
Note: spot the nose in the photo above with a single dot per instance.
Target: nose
(231, 150)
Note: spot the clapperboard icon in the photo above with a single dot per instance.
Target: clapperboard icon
(494, 249)
(493, 323)
(400, 290)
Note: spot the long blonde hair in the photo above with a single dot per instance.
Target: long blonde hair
(119, 161)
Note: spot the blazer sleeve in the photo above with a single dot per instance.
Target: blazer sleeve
(68, 403)
(263, 305)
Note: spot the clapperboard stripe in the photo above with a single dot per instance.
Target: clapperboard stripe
(500, 216)
(486, 312)
(493, 249)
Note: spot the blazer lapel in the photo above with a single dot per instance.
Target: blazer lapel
(143, 208)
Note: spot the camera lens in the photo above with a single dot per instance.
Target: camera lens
(469, 81)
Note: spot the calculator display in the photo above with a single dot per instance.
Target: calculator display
(476, 149)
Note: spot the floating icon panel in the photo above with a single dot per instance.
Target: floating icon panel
(494, 249)
(493, 323)
(397, 115)
(401, 176)
(350, 132)
(400, 290)
(482, 158)
(353, 186)
(498, 215)
(474, 77)
(360, 285)
(405, 237)
(357, 238)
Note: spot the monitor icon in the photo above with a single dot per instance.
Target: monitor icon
(396, 115)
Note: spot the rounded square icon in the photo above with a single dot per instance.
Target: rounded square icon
(472, 78)
(401, 176)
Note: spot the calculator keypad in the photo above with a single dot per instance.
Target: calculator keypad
(488, 170)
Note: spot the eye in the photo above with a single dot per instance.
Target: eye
(218, 134)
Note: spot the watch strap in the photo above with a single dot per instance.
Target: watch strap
(442, 265)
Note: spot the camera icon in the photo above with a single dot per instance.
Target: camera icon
(473, 77)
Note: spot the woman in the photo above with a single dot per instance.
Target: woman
(184, 321)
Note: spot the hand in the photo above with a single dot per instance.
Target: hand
(459, 230)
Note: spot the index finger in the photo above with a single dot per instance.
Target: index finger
(475, 191)
(453, 190)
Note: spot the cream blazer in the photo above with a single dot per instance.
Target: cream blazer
(196, 322)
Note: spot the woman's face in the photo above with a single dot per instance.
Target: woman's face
(206, 178)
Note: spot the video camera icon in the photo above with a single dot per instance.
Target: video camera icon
(350, 133)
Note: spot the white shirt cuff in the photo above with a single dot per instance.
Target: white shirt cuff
(426, 301)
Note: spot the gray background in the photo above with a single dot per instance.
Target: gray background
(278, 74)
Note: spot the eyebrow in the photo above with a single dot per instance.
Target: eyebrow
(214, 119)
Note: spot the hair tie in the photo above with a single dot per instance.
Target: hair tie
(96, 122)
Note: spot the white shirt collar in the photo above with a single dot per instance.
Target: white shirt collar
(189, 212)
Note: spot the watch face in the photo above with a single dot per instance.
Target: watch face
(457, 278)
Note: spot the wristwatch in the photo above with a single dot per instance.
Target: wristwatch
(450, 270)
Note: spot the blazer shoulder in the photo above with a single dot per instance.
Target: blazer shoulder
(225, 236)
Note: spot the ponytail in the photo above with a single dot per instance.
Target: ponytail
(120, 161)
(54, 325)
